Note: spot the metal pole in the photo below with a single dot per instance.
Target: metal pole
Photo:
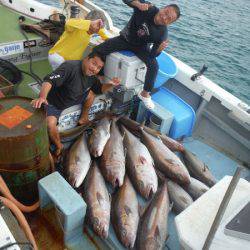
(222, 208)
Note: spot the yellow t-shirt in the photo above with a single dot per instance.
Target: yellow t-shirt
(74, 40)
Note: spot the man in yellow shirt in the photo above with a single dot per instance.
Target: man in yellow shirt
(75, 39)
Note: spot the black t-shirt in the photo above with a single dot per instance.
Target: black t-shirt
(70, 86)
(141, 29)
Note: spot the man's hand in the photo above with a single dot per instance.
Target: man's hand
(163, 46)
(142, 6)
(115, 81)
(36, 103)
(95, 26)
(83, 120)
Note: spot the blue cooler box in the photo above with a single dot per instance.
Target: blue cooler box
(184, 115)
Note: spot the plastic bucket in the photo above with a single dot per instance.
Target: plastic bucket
(167, 69)
(155, 122)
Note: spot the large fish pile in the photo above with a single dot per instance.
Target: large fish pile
(134, 160)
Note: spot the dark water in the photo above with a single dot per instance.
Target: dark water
(211, 32)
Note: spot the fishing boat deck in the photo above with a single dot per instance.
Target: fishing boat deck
(219, 164)
(41, 68)
(49, 235)
(9, 30)
(45, 226)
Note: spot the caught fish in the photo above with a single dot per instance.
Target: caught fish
(99, 137)
(198, 169)
(152, 232)
(180, 198)
(165, 160)
(112, 163)
(125, 214)
(78, 162)
(196, 188)
(135, 127)
(98, 201)
(140, 165)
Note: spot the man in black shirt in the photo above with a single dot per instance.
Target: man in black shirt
(147, 26)
(73, 82)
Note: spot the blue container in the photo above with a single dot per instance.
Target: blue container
(167, 69)
(184, 115)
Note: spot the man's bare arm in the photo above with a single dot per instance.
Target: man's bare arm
(109, 85)
(46, 87)
(84, 118)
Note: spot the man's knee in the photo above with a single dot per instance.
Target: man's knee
(55, 60)
(51, 122)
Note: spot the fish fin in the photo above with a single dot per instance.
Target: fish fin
(182, 198)
(99, 198)
(127, 210)
(207, 167)
(160, 175)
(171, 206)
(125, 152)
(143, 123)
(142, 159)
(158, 136)
(123, 135)
(110, 198)
(157, 232)
(77, 159)
(142, 209)
(167, 236)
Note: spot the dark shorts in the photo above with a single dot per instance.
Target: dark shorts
(53, 111)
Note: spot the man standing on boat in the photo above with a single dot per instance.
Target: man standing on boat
(76, 37)
(69, 85)
(146, 27)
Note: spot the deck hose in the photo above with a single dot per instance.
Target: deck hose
(21, 219)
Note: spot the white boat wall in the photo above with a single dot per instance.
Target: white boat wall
(37, 10)
(31, 8)
(222, 120)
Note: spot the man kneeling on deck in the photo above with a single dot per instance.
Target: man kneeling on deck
(74, 82)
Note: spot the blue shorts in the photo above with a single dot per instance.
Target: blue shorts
(53, 111)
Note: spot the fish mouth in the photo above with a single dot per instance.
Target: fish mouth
(75, 181)
(150, 191)
(97, 153)
(129, 242)
(152, 243)
(100, 228)
(128, 238)
(117, 181)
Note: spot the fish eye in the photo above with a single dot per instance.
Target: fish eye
(124, 232)
(95, 221)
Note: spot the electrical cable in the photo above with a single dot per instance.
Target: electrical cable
(36, 77)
